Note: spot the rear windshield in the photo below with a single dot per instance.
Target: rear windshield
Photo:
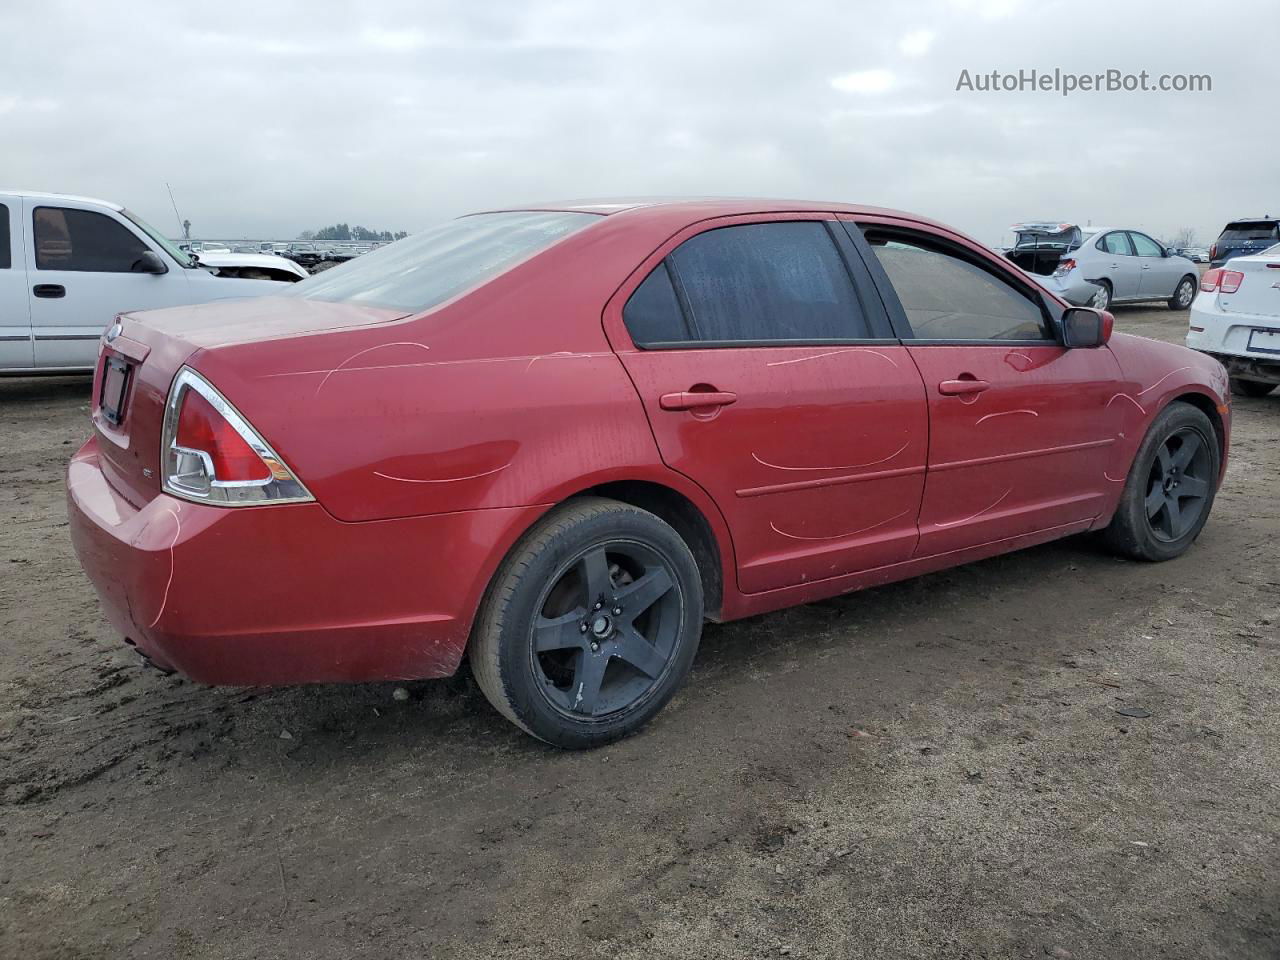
(1242, 232)
(427, 269)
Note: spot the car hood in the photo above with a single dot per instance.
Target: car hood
(262, 260)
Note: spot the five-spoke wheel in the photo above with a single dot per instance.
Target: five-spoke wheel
(1179, 484)
(590, 625)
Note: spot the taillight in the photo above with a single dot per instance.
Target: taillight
(1209, 282)
(1213, 252)
(1230, 281)
(1064, 267)
(211, 454)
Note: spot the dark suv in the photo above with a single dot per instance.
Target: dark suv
(1240, 238)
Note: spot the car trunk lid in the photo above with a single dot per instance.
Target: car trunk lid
(1259, 289)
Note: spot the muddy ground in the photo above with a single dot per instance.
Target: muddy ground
(931, 769)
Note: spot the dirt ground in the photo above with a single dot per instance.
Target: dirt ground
(931, 769)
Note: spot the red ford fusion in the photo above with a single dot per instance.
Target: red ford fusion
(555, 440)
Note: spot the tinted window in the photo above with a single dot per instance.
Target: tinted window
(436, 265)
(1115, 243)
(1145, 246)
(946, 297)
(653, 314)
(82, 240)
(1245, 231)
(6, 257)
(767, 281)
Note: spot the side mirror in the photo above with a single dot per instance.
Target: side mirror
(1171, 252)
(149, 262)
(1086, 327)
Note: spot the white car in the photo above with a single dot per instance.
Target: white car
(68, 265)
(1236, 318)
(257, 266)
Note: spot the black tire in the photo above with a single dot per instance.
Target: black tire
(1184, 293)
(1102, 299)
(1155, 519)
(577, 673)
(1250, 388)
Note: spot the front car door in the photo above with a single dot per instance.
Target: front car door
(1119, 265)
(15, 318)
(1158, 272)
(1021, 429)
(81, 270)
(772, 378)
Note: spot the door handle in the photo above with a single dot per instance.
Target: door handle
(956, 388)
(694, 400)
(49, 291)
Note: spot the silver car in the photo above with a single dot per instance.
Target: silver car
(1099, 266)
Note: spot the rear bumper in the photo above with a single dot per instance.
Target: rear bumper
(287, 594)
(1225, 336)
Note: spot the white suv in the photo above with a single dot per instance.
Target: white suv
(68, 265)
(1236, 318)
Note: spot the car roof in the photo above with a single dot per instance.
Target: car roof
(705, 207)
(37, 195)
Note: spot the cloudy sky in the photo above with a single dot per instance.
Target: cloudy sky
(268, 118)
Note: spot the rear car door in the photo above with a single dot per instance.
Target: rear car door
(1119, 265)
(771, 377)
(1021, 428)
(80, 265)
(15, 318)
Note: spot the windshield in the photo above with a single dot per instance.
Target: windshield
(425, 270)
(185, 259)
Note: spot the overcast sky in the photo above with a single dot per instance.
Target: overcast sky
(269, 118)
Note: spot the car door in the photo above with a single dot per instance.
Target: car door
(81, 272)
(1158, 273)
(1119, 265)
(15, 317)
(1021, 428)
(771, 377)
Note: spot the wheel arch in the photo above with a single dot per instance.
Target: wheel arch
(1209, 407)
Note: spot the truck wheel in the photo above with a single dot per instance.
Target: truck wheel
(1250, 388)
(590, 625)
(1170, 488)
(1184, 294)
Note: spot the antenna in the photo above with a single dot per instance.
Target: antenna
(176, 214)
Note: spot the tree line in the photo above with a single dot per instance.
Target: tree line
(340, 231)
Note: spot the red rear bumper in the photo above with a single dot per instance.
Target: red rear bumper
(287, 594)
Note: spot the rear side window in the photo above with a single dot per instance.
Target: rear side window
(946, 297)
(85, 241)
(1115, 244)
(753, 283)
(427, 269)
(6, 254)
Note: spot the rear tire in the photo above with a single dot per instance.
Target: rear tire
(1170, 488)
(1102, 299)
(1250, 388)
(590, 625)
(1184, 293)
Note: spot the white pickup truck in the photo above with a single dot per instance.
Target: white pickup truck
(68, 265)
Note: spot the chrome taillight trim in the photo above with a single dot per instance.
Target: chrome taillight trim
(282, 486)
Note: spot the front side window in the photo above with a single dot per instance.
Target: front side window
(84, 241)
(428, 268)
(751, 283)
(948, 297)
(1145, 246)
(6, 253)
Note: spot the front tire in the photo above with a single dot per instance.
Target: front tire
(590, 625)
(1184, 293)
(1170, 488)
(1250, 388)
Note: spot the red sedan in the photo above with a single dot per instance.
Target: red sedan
(558, 439)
